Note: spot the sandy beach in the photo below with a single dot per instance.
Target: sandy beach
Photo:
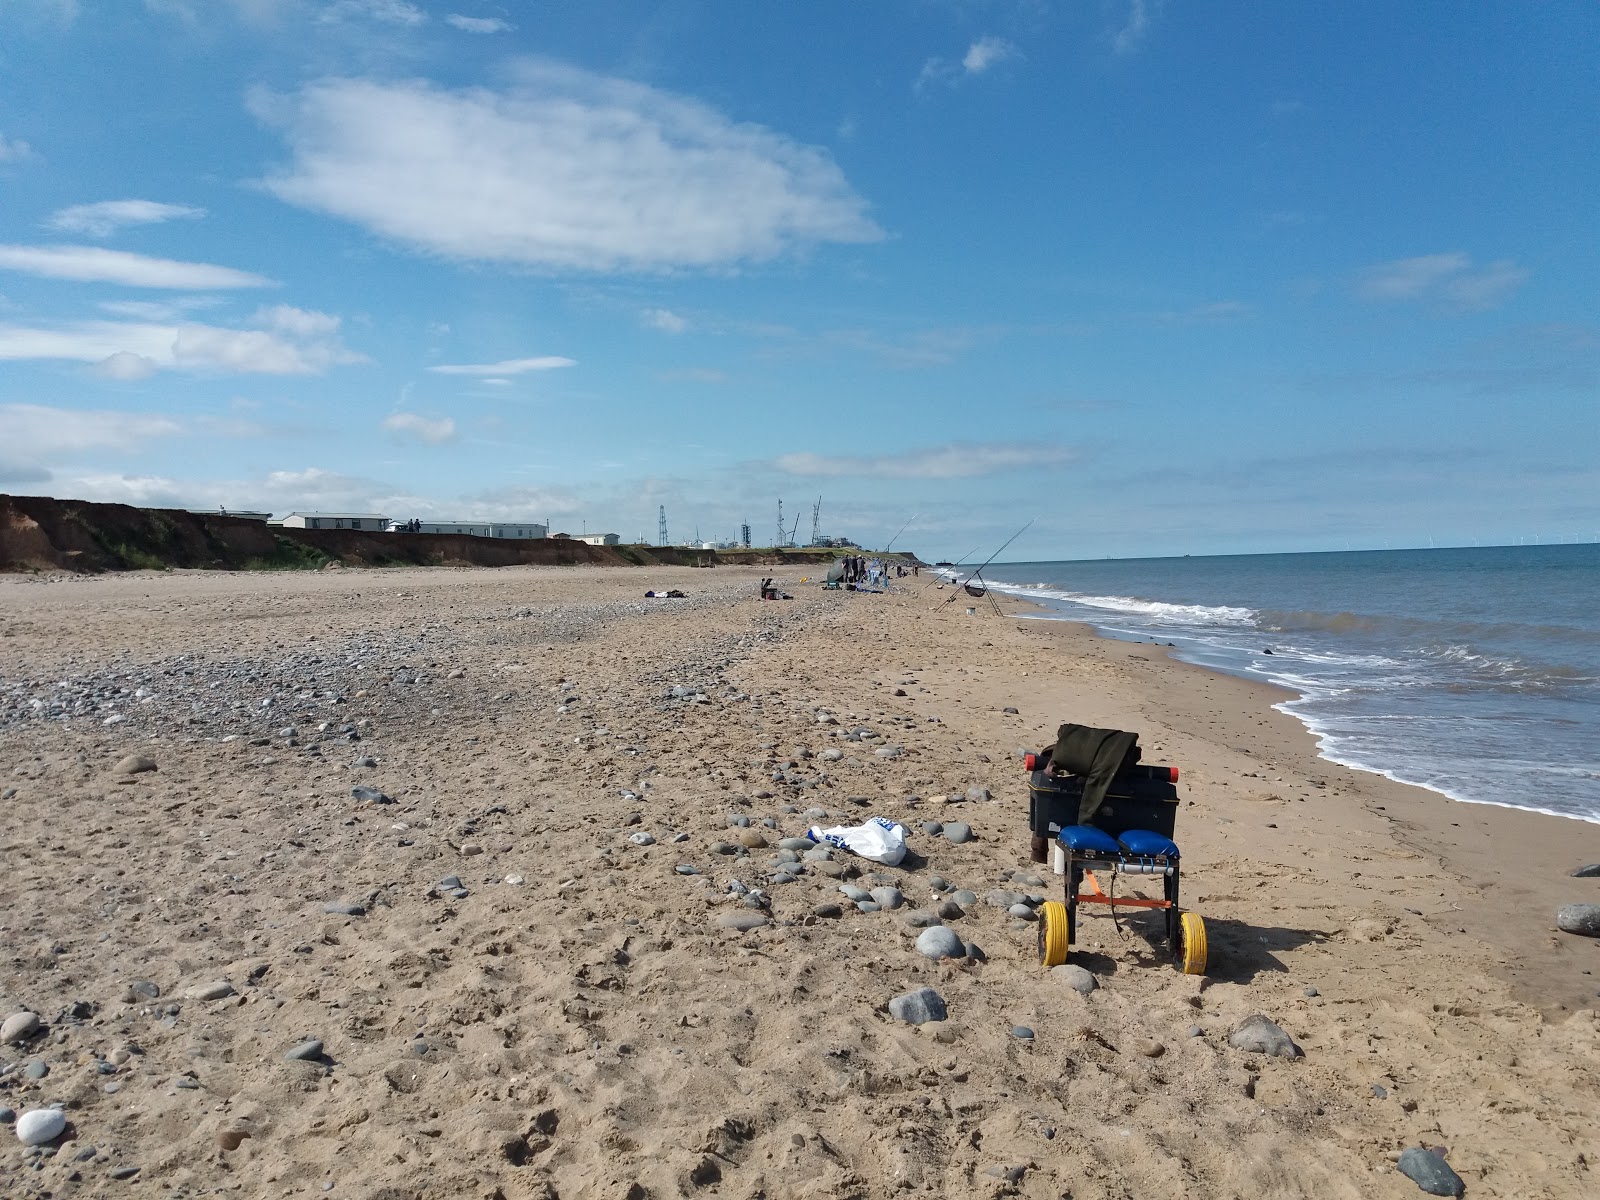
(530, 958)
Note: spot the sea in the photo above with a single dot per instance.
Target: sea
(1472, 672)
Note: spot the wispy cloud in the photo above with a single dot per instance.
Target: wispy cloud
(957, 460)
(96, 264)
(1450, 279)
(1132, 31)
(984, 53)
(14, 150)
(391, 12)
(567, 170)
(40, 432)
(664, 319)
(434, 431)
(108, 216)
(510, 366)
(280, 340)
(478, 24)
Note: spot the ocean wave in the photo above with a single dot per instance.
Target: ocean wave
(1155, 610)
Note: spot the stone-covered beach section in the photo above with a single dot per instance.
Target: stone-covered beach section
(452, 883)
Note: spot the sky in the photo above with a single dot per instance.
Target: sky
(1164, 277)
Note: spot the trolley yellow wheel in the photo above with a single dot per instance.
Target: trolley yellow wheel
(1055, 936)
(1190, 953)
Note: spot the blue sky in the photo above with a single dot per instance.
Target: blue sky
(1173, 278)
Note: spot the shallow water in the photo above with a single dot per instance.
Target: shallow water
(1474, 672)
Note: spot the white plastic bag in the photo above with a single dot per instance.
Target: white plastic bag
(879, 839)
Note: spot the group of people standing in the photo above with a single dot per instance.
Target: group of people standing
(873, 573)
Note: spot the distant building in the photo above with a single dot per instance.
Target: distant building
(244, 514)
(494, 529)
(376, 522)
(601, 539)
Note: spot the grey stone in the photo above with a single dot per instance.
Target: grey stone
(958, 832)
(642, 839)
(1196, 1031)
(7, 1116)
(127, 1172)
(964, 898)
(744, 922)
(1259, 1035)
(41, 1125)
(723, 848)
(918, 1007)
(939, 883)
(1022, 1033)
(977, 795)
(18, 1027)
(37, 1069)
(210, 991)
(1027, 880)
(854, 891)
(1590, 871)
(975, 952)
(366, 760)
(932, 828)
(369, 795)
(307, 1051)
(1022, 912)
(686, 869)
(1075, 977)
(795, 843)
(1379, 1092)
(1583, 919)
(939, 941)
(339, 908)
(818, 854)
(134, 764)
(1011, 710)
(921, 920)
(1430, 1172)
(866, 906)
(1312, 992)
(1002, 899)
(949, 910)
(449, 883)
(828, 911)
(887, 897)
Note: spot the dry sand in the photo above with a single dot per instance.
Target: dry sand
(594, 1031)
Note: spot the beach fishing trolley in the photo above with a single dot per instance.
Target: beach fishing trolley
(1130, 834)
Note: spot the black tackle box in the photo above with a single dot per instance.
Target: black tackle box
(1131, 802)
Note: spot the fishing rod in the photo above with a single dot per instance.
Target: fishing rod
(903, 528)
(978, 574)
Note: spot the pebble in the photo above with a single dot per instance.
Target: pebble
(949, 910)
(338, 908)
(889, 751)
(366, 760)
(134, 764)
(369, 795)
(1023, 912)
(866, 906)
(1379, 1092)
(1590, 871)
(964, 898)
(939, 883)
(7, 1116)
(1196, 1031)
(832, 755)
(828, 911)
(1430, 1172)
(978, 795)
(37, 1069)
(1022, 1033)
(642, 839)
(1259, 1035)
(1312, 992)
(918, 1007)
(744, 922)
(41, 1125)
(818, 854)
(19, 1026)
(1583, 919)
(958, 832)
(306, 1051)
(1075, 977)
(853, 891)
(932, 828)
(210, 991)
(686, 869)
(1151, 1048)
(887, 897)
(122, 1173)
(1002, 899)
(940, 941)
(921, 920)
(752, 839)
(796, 843)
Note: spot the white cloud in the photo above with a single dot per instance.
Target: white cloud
(107, 216)
(280, 341)
(985, 52)
(96, 264)
(958, 460)
(664, 319)
(424, 429)
(1450, 279)
(158, 310)
(36, 432)
(478, 24)
(14, 150)
(391, 12)
(1127, 39)
(511, 366)
(567, 170)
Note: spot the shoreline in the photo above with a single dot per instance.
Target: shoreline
(533, 965)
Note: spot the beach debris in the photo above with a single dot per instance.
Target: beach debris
(918, 1007)
(879, 840)
(940, 941)
(1259, 1035)
(1588, 871)
(1583, 919)
(18, 1027)
(1430, 1172)
(40, 1125)
(134, 764)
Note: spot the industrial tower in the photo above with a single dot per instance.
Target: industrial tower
(816, 522)
(661, 526)
(744, 534)
(781, 534)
